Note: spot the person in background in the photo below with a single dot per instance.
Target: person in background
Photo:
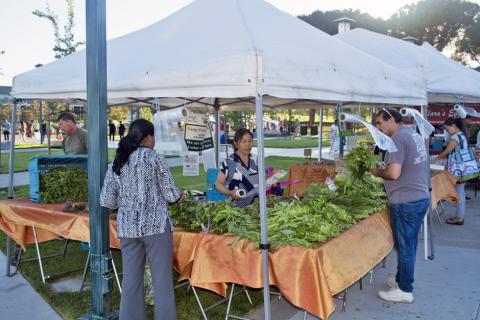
(139, 184)
(458, 139)
(121, 130)
(111, 130)
(239, 170)
(406, 183)
(6, 130)
(75, 139)
(335, 136)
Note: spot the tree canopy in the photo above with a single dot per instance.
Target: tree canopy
(442, 23)
(64, 44)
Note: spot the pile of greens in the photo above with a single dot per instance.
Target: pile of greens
(64, 184)
(320, 215)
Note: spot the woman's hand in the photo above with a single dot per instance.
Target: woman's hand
(233, 194)
(182, 197)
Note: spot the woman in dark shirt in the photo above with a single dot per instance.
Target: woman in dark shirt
(239, 171)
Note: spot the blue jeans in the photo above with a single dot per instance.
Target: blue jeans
(461, 206)
(406, 220)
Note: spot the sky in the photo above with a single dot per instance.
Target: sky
(28, 40)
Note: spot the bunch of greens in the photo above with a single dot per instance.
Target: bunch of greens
(64, 184)
(188, 214)
(358, 161)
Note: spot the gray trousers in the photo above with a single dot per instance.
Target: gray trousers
(159, 250)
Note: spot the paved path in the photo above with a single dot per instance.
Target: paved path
(19, 300)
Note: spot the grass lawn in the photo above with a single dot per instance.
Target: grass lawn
(303, 142)
(71, 305)
(22, 159)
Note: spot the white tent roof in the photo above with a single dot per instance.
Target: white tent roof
(229, 49)
(447, 81)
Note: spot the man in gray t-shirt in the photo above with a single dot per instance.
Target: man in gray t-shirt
(406, 182)
(75, 139)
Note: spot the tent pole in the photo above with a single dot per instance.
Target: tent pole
(426, 231)
(216, 107)
(13, 129)
(320, 134)
(264, 245)
(100, 255)
(49, 133)
(12, 150)
(40, 120)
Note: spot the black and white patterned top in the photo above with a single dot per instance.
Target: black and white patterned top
(241, 175)
(141, 193)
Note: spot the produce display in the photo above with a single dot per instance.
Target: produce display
(320, 215)
(64, 184)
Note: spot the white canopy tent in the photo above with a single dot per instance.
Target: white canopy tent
(447, 81)
(231, 53)
(229, 49)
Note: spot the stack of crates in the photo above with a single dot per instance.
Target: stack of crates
(212, 193)
(42, 164)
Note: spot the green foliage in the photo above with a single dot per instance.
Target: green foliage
(64, 184)
(64, 44)
(439, 22)
(358, 161)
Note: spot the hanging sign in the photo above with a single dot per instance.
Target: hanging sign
(191, 164)
(198, 135)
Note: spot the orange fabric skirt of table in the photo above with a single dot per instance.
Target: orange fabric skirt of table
(308, 278)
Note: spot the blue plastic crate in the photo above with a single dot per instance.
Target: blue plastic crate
(212, 174)
(214, 195)
(41, 164)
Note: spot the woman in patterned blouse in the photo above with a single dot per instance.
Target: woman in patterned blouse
(240, 170)
(139, 184)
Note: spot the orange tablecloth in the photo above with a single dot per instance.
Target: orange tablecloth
(18, 216)
(308, 278)
(443, 188)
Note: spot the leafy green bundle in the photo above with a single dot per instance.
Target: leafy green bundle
(358, 161)
(64, 184)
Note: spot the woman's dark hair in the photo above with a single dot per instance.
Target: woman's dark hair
(387, 113)
(139, 130)
(459, 124)
(239, 135)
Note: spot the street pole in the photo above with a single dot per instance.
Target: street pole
(49, 133)
(320, 134)
(216, 108)
(100, 257)
(40, 120)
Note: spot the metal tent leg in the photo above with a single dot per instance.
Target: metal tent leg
(199, 303)
(87, 263)
(114, 267)
(39, 256)
(438, 217)
(116, 273)
(228, 315)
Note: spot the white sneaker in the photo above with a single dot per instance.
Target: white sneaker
(391, 283)
(396, 295)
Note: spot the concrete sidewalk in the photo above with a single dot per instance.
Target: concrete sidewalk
(19, 300)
